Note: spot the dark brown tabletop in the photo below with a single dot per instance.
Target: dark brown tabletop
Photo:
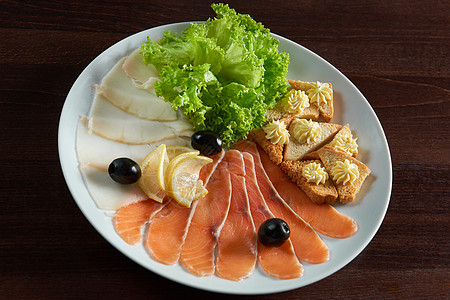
(395, 52)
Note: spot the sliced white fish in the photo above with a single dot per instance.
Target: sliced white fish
(108, 194)
(120, 90)
(144, 76)
(99, 152)
(94, 156)
(113, 123)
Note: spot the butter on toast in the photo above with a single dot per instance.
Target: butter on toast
(325, 109)
(330, 158)
(274, 151)
(296, 150)
(343, 133)
(293, 105)
(318, 193)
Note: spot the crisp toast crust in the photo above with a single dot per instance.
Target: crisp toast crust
(345, 130)
(278, 112)
(274, 151)
(326, 110)
(329, 157)
(296, 151)
(319, 194)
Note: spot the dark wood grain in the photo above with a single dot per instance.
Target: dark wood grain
(395, 52)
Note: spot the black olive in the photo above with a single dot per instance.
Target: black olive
(207, 142)
(273, 232)
(124, 170)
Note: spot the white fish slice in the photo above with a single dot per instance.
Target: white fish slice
(144, 76)
(113, 123)
(94, 156)
(120, 90)
(108, 194)
(100, 152)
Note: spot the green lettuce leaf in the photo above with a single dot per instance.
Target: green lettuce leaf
(223, 74)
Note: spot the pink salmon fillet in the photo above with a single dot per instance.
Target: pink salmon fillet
(308, 246)
(168, 228)
(237, 243)
(279, 262)
(166, 233)
(197, 253)
(130, 219)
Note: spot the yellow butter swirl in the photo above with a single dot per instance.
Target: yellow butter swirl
(276, 132)
(306, 131)
(346, 143)
(314, 172)
(344, 172)
(319, 93)
(297, 101)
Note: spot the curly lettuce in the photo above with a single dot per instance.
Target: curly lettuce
(223, 74)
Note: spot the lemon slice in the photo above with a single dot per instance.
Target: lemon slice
(175, 150)
(172, 163)
(151, 168)
(172, 151)
(183, 184)
(162, 167)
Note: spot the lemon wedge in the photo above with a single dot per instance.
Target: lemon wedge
(172, 163)
(152, 168)
(173, 171)
(175, 150)
(182, 180)
(171, 152)
(162, 167)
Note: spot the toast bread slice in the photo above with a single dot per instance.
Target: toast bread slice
(345, 130)
(326, 110)
(279, 112)
(311, 156)
(295, 150)
(347, 192)
(320, 193)
(274, 151)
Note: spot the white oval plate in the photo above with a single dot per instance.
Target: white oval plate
(350, 107)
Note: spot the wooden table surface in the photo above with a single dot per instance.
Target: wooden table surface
(395, 52)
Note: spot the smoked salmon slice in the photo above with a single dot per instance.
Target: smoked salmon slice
(307, 244)
(166, 233)
(197, 253)
(237, 243)
(324, 218)
(130, 219)
(279, 262)
(168, 228)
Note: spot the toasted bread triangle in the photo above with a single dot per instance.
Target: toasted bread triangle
(280, 112)
(274, 151)
(295, 150)
(345, 130)
(320, 193)
(326, 110)
(347, 192)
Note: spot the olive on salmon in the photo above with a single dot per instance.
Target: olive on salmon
(273, 232)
